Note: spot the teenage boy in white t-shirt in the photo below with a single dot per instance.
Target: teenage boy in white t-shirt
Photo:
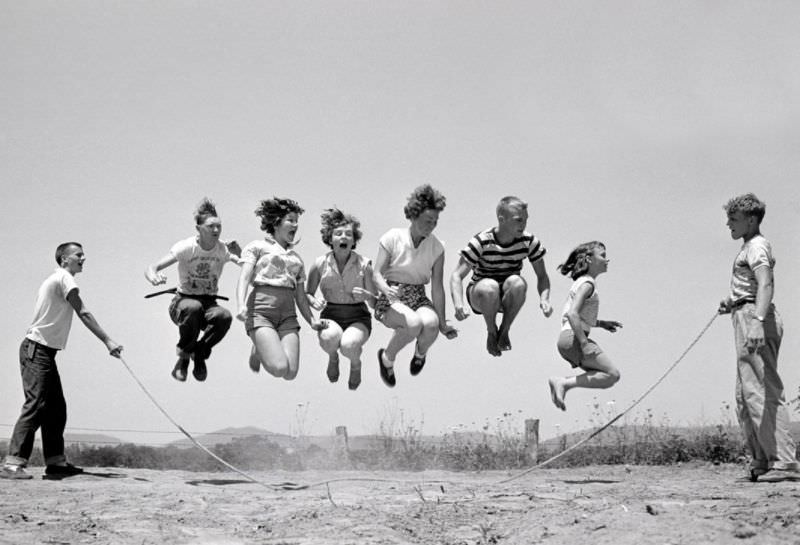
(44, 405)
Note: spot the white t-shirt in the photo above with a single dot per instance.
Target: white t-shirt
(198, 269)
(409, 265)
(52, 315)
(589, 308)
(755, 253)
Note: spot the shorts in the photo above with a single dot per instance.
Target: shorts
(471, 286)
(411, 295)
(570, 349)
(273, 307)
(346, 315)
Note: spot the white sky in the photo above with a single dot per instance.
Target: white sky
(628, 122)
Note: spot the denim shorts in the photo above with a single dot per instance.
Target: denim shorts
(273, 307)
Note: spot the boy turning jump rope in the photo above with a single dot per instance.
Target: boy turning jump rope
(758, 329)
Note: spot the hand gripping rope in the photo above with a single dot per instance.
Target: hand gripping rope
(605, 426)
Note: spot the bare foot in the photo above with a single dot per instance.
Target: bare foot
(333, 367)
(557, 392)
(503, 342)
(491, 344)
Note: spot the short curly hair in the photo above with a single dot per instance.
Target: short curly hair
(272, 211)
(333, 218)
(748, 204)
(423, 198)
(205, 209)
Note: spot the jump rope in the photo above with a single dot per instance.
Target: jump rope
(291, 486)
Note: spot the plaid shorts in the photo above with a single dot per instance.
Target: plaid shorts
(411, 295)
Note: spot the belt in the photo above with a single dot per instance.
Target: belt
(175, 291)
(741, 303)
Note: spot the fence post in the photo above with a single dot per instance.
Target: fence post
(341, 438)
(532, 439)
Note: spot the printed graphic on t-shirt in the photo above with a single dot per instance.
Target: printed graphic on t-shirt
(201, 274)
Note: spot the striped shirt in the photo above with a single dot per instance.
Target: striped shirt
(490, 259)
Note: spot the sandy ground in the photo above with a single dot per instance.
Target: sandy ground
(695, 503)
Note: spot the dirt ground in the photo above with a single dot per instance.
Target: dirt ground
(695, 503)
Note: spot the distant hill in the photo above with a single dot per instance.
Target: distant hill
(227, 435)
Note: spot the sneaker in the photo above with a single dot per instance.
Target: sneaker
(388, 379)
(14, 472)
(66, 470)
(417, 363)
(179, 371)
(200, 370)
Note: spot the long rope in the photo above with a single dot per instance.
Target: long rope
(599, 430)
(278, 486)
(296, 486)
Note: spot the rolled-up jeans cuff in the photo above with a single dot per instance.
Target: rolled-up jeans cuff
(55, 460)
(15, 461)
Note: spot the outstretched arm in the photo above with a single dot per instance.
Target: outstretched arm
(74, 299)
(457, 288)
(543, 286)
(153, 274)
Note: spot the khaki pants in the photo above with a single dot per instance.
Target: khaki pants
(761, 406)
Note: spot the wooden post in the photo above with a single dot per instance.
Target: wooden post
(532, 439)
(341, 438)
(341, 450)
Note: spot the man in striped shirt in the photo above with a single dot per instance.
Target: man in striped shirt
(494, 257)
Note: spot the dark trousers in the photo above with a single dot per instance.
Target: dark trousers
(199, 314)
(44, 406)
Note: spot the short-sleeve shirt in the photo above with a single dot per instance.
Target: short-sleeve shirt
(407, 264)
(338, 287)
(589, 308)
(52, 315)
(198, 269)
(491, 259)
(274, 265)
(755, 253)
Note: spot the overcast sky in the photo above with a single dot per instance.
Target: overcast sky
(627, 122)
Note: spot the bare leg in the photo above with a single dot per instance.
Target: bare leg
(485, 297)
(269, 351)
(407, 327)
(353, 340)
(514, 293)
(329, 340)
(600, 373)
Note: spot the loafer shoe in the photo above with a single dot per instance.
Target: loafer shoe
(417, 363)
(63, 470)
(388, 379)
